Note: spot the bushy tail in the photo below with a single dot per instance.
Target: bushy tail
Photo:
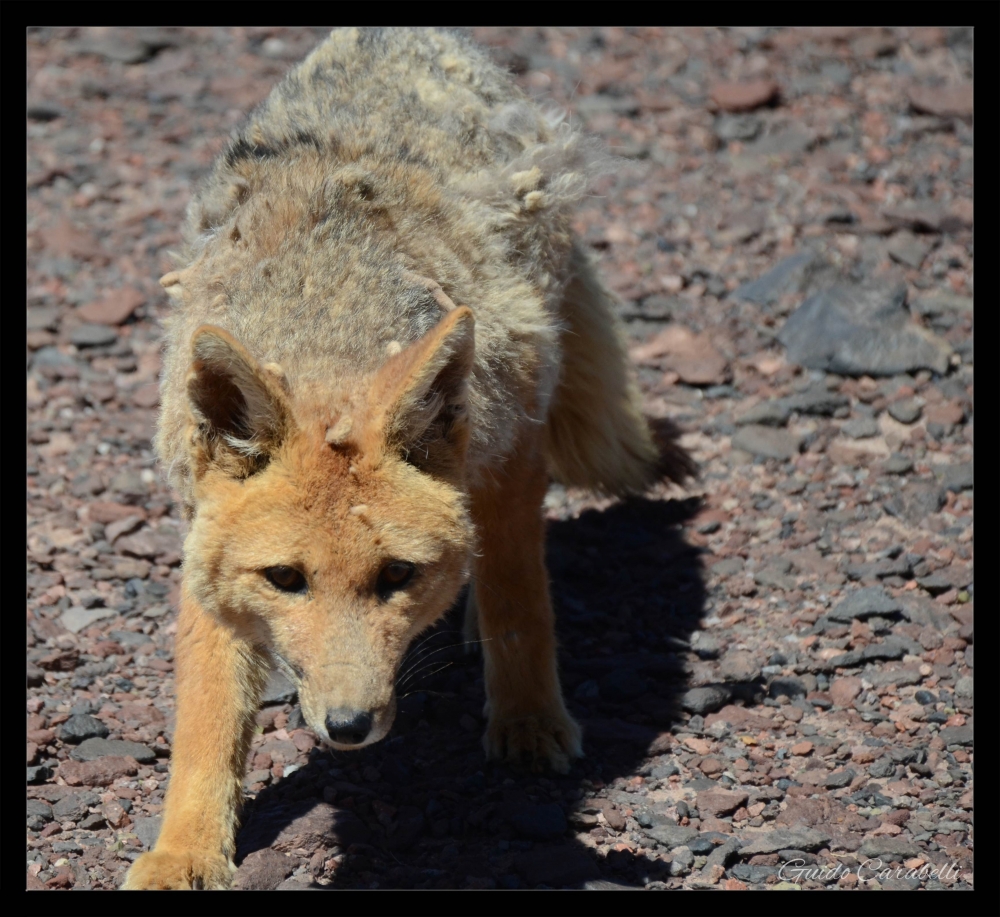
(597, 436)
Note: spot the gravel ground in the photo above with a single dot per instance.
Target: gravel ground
(773, 667)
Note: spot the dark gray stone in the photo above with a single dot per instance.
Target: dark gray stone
(767, 442)
(39, 773)
(957, 477)
(787, 276)
(863, 603)
(671, 836)
(770, 413)
(790, 687)
(897, 463)
(817, 400)
(147, 829)
(82, 726)
(43, 318)
(93, 335)
(743, 128)
(915, 502)
(883, 767)
(907, 410)
(541, 822)
(723, 853)
(861, 330)
(889, 848)
(785, 838)
(75, 806)
(39, 814)
(957, 735)
(91, 749)
(706, 699)
(906, 248)
(839, 779)
(860, 428)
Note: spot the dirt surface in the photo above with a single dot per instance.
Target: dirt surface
(773, 668)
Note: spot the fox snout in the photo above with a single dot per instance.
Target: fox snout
(348, 727)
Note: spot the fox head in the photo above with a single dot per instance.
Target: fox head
(332, 534)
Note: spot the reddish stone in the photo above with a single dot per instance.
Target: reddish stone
(720, 802)
(99, 772)
(104, 512)
(114, 308)
(744, 96)
(844, 690)
(944, 101)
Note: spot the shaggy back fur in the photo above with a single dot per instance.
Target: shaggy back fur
(384, 156)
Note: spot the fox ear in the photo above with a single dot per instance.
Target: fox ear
(239, 412)
(419, 399)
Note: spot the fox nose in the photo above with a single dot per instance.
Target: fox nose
(348, 727)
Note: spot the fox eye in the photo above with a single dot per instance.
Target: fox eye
(394, 576)
(287, 579)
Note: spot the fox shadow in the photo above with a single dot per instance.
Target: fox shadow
(423, 808)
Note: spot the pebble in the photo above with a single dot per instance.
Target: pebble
(907, 410)
(767, 442)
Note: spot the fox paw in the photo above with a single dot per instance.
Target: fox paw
(185, 870)
(538, 740)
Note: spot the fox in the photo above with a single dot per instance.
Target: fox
(385, 341)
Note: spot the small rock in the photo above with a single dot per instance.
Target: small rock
(113, 308)
(147, 829)
(897, 463)
(964, 686)
(863, 603)
(906, 410)
(953, 101)
(705, 699)
(93, 749)
(301, 825)
(681, 862)
(957, 478)
(887, 847)
(744, 96)
(720, 802)
(93, 335)
(790, 687)
(956, 735)
(861, 330)
(739, 665)
(860, 428)
(906, 248)
(785, 838)
(80, 727)
(78, 618)
(787, 276)
(767, 442)
(75, 806)
(263, 870)
(671, 835)
(839, 779)
(844, 690)
(771, 413)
